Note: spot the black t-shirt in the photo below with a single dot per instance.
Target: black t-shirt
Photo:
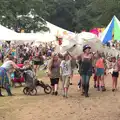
(25, 57)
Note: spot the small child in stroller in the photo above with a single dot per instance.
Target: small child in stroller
(31, 82)
(17, 76)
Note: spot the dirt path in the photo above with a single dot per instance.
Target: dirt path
(99, 106)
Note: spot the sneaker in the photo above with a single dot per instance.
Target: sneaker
(113, 90)
(95, 86)
(83, 93)
(1, 95)
(86, 95)
(63, 95)
(66, 96)
(71, 84)
(56, 93)
(98, 88)
(53, 93)
(10, 95)
(103, 88)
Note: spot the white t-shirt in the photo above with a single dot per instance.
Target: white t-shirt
(66, 67)
(7, 65)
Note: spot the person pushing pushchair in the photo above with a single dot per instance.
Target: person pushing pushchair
(7, 67)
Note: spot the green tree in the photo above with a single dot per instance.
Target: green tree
(22, 14)
(61, 12)
(102, 11)
(74, 15)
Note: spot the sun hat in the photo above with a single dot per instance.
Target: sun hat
(86, 47)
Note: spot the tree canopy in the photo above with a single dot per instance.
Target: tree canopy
(73, 15)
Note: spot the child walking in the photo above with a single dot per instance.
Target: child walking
(100, 69)
(115, 74)
(66, 71)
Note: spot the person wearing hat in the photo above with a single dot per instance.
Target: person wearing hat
(85, 68)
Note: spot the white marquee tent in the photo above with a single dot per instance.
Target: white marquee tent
(7, 34)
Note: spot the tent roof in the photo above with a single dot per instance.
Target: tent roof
(5, 30)
(7, 34)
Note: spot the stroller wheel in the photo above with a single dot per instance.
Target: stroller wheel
(26, 91)
(33, 91)
(47, 89)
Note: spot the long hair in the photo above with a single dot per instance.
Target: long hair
(64, 57)
(52, 61)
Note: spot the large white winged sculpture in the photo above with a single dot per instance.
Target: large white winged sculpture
(75, 45)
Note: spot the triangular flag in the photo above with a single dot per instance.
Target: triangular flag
(116, 29)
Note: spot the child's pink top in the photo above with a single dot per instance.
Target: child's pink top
(100, 63)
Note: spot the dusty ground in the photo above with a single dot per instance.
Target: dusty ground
(99, 106)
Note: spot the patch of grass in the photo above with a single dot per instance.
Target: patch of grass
(0, 63)
(41, 74)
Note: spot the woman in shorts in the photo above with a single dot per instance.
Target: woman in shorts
(54, 72)
(38, 60)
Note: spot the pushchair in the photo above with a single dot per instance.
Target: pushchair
(17, 77)
(31, 82)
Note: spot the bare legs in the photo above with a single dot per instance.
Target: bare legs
(36, 67)
(65, 83)
(54, 84)
(100, 79)
(114, 83)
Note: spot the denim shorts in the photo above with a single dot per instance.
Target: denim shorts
(100, 72)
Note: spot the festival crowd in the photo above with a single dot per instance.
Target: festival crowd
(59, 66)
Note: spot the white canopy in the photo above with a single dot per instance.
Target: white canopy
(7, 34)
(55, 30)
(46, 37)
(6, 30)
(10, 35)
